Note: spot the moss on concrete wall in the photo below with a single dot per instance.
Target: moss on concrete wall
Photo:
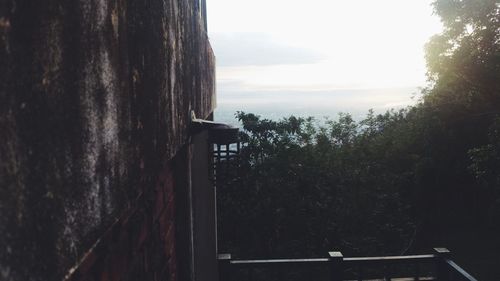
(94, 97)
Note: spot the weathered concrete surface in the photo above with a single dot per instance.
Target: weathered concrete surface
(95, 96)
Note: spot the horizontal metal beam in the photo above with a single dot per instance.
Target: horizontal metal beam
(352, 260)
(278, 261)
(390, 259)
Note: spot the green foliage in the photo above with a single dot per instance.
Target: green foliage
(306, 187)
(464, 61)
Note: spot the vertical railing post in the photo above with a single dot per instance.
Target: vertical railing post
(442, 270)
(225, 267)
(336, 266)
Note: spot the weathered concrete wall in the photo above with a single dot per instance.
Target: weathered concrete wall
(95, 98)
(142, 244)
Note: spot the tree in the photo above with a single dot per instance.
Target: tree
(463, 62)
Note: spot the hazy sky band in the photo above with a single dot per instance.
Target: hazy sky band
(320, 45)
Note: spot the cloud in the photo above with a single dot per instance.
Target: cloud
(258, 49)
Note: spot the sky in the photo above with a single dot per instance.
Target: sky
(279, 46)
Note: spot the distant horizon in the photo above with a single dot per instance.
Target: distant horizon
(318, 104)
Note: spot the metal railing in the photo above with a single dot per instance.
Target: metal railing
(436, 266)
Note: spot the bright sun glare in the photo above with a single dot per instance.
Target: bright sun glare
(320, 45)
